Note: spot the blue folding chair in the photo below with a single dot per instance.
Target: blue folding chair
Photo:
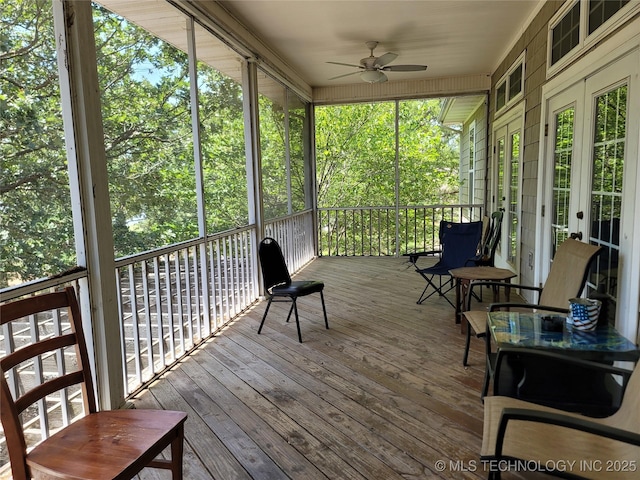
(460, 243)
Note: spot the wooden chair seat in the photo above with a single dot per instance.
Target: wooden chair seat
(595, 447)
(109, 444)
(476, 325)
(97, 445)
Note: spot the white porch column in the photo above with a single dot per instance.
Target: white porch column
(254, 163)
(90, 191)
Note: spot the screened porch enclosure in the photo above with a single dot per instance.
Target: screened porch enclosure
(195, 154)
(173, 301)
(150, 198)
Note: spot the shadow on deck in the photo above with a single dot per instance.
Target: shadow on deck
(380, 395)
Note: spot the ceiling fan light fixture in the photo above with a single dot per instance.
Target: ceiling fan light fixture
(371, 76)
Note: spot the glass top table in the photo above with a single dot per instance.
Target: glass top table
(533, 330)
(518, 371)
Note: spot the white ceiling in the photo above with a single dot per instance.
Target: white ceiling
(453, 37)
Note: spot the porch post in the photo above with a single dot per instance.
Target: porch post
(86, 157)
(397, 174)
(205, 284)
(311, 189)
(253, 163)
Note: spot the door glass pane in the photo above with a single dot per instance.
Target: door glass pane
(512, 220)
(500, 189)
(606, 190)
(563, 151)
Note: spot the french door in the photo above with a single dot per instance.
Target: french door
(591, 179)
(507, 182)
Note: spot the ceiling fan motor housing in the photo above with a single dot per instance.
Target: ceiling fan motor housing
(369, 62)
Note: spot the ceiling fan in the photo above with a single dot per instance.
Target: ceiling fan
(372, 67)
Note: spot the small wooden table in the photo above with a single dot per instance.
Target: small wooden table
(465, 275)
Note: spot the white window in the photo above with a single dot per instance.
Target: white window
(581, 23)
(510, 87)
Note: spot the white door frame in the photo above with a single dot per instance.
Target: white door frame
(627, 42)
(515, 116)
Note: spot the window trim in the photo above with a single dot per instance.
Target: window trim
(506, 81)
(585, 41)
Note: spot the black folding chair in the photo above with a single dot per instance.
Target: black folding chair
(278, 283)
(487, 253)
(460, 243)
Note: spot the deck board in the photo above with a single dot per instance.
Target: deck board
(380, 395)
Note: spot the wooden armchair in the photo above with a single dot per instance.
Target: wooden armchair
(565, 444)
(52, 369)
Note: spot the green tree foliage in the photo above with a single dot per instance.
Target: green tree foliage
(147, 120)
(148, 142)
(273, 148)
(298, 126)
(36, 230)
(146, 116)
(429, 158)
(356, 167)
(148, 138)
(355, 148)
(223, 150)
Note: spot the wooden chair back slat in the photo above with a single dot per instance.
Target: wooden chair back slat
(36, 349)
(47, 388)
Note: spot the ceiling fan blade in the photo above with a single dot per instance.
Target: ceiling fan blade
(386, 58)
(346, 64)
(404, 68)
(383, 78)
(345, 75)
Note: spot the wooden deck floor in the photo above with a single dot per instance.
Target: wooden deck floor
(380, 395)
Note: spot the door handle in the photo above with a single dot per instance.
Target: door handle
(576, 235)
